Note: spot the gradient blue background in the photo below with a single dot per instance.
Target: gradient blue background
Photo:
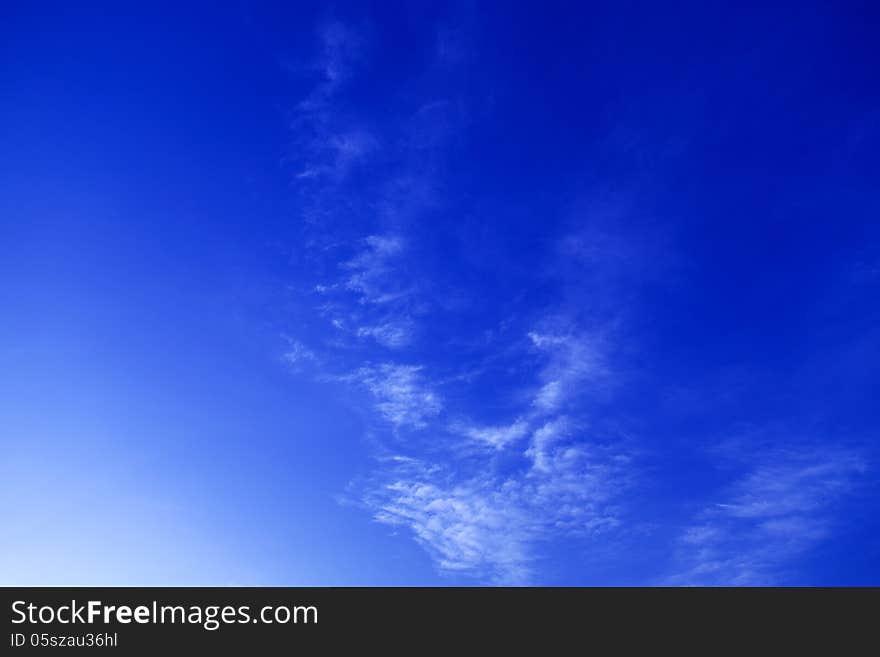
(152, 277)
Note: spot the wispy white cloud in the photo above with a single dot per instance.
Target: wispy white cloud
(474, 526)
(401, 394)
(341, 45)
(543, 439)
(371, 272)
(329, 145)
(489, 525)
(485, 509)
(574, 360)
(494, 436)
(298, 354)
(334, 155)
(769, 517)
(393, 334)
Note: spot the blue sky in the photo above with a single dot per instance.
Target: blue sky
(435, 294)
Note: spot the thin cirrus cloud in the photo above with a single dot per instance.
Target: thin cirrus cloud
(487, 525)
(335, 155)
(771, 515)
(298, 354)
(498, 436)
(371, 273)
(472, 517)
(340, 46)
(394, 334)
(400, 393)
(488, 449)
(367, 299)
(477, 527)
(574, 361)
(329, 147)
(484, 513)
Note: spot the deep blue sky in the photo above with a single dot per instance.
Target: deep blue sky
(392, 293)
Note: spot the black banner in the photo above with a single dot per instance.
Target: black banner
(148, 620)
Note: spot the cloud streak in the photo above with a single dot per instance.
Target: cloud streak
(769, 517)
(575, 360)
(489, 525)
(401, 395)
(485, 389)
(480, 496)
(493, 436)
